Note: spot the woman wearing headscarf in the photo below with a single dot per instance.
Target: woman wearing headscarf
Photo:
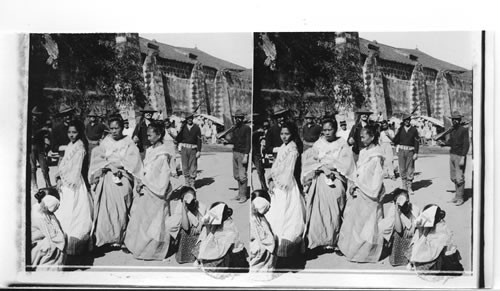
(360, 238)
(75, 211)
(262, 240)
(153, 228)
(219, 248)
(115, 163)
(433, 251)
(47, 238)
(326, 167)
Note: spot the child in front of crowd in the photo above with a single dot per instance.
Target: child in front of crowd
(262, 239)
(48, 241)
(219, 249)
(433, 251)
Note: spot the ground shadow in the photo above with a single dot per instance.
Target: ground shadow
(291, 264)
(203, 182)
(421, 184)
(316, 252)
(468, 194)
(74, 263)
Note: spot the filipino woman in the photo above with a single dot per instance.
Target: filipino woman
(192, 213)
(287, 212)
(262, 240)
(115, 163)
(219, 248)
(75, 211)
(326, 167)
(360, 238)
(153, 226)
(47, 237)
(400, 223)
(433, 251)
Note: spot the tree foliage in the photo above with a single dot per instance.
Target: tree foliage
(88, 63)
(312, 63)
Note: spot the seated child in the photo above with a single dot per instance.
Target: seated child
(262, 240)
(192, 214)
(433, 251)
(219, 248)
(47, 238)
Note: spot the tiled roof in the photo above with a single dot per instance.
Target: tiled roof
(181, 54)
(247, 73)
(401, 55)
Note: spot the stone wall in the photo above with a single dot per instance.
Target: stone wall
(416, 89)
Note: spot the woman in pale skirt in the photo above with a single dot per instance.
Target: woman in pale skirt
(153, 226)
(360, 238)
(287, 215)
(76, 209)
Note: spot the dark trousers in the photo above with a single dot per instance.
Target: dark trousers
(39, 156)
(189, 165)
(457, 175)
(240, 173)
(257, 162)
(406, 164)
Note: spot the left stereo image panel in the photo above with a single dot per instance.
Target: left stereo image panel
(138, 152)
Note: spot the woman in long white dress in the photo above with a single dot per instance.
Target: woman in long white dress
(287, 213)
(326, 168)
(115, 163)
(153, 228)
(75, 211)
(361, 239)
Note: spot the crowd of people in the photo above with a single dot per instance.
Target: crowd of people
(324, 192)
(116, 191)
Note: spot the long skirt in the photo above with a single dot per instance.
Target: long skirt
(111, 205)
(401, 250)
(324, 209)
(148, 232)
(389, 159)
(75, 216)
(46, 257)
(360, 239)
(187, 241)
(287, 219)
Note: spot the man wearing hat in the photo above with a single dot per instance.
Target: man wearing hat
(189, 140)
(354, 139)
(311, 131)
(140, 135)
(38, 135)
(458, 141)
(407, 144)
(94, 130)
(241, 140)
(343, 132)
(59, 137)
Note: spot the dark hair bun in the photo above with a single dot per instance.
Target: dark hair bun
(228, 211)
(260, 193)
(441, 214)
(47, 191)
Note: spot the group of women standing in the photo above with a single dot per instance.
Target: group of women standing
(340, 208)
(118, 201)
